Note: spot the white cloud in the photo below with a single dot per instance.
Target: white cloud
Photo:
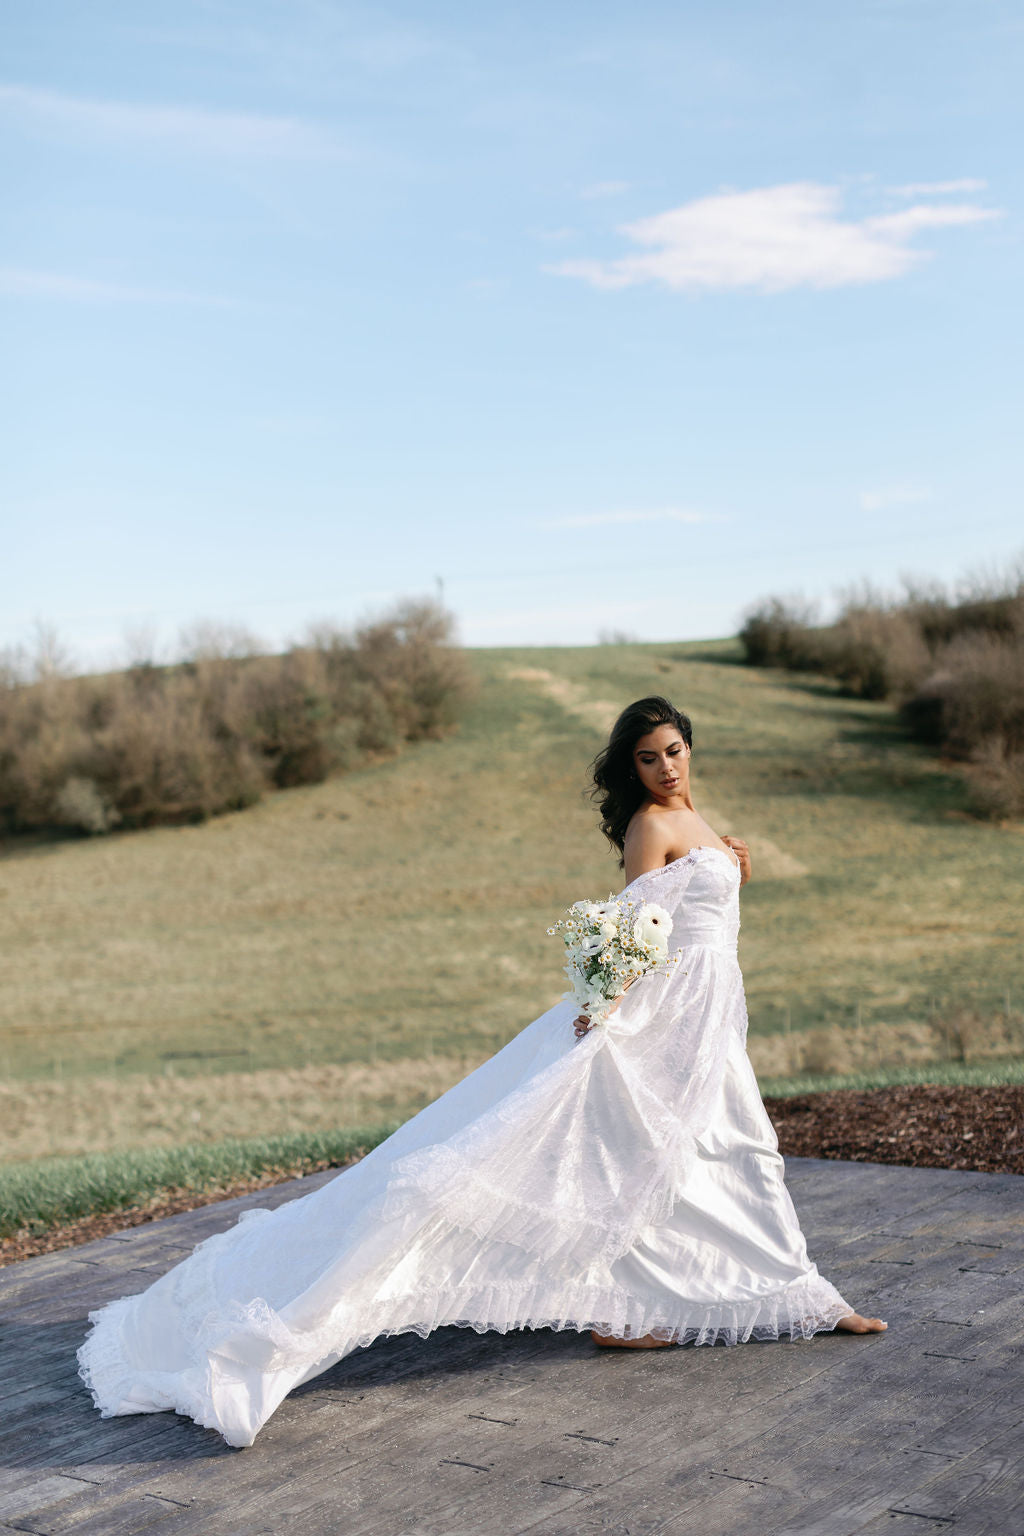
(938, 188)
(197, 130)
(604, 189)
(904, 225)
(893, 496)
(769, 239)
(22, 283)
(653, 515)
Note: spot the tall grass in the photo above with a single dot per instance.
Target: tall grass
(996, 1074)
(45, 1193)
(213, 733)
(951, 663)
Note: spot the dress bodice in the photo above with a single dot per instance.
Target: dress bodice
(700, 892)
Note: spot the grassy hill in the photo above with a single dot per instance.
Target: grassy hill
(341, 953)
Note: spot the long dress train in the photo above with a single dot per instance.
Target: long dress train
(628, 1182)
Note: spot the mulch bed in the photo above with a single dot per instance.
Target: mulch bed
(925, 1126)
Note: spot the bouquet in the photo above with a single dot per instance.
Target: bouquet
(608, 944)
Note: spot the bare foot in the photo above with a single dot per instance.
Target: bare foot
(854, 1323)
(608, 1341)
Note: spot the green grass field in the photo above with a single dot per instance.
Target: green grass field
(338, 954)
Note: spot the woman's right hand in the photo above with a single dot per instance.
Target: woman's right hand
(582, 1023)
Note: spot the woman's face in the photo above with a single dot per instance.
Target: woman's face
(661, 760)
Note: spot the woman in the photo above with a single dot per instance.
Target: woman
(624, 1179)
(649, 816)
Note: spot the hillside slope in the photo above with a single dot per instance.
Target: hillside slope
(343, 952)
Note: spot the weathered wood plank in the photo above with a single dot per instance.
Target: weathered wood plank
(102, 1517)
(989, 1478)
(32, 1493)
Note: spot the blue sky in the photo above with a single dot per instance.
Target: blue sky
(609, 317)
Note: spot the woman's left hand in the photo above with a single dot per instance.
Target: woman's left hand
(581, 1025)
(742, 852)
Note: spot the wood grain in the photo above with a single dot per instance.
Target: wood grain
(463, 1435)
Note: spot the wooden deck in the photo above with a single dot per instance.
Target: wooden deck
(919, 1430)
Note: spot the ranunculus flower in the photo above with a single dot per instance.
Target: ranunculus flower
(653, 927)
(608, 944)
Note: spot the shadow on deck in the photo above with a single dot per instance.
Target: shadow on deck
(917, 1430)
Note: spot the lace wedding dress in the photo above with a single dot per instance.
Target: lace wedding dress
(628, 1182)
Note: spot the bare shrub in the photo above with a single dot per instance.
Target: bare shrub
(409, 660)
(80, 804)
(997, 781)
(42, 744)
(140, 646)
(49, 657)
(287, 706)
(158, 760)
(974, 697)
(13, 667)
(876, 653)
(779, 632)
(990, 604)
(210, 640)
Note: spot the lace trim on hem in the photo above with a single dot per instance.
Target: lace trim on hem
(800, 1310)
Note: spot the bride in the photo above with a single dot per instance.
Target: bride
(624, 1180)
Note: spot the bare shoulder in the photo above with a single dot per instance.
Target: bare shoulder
(646, 845)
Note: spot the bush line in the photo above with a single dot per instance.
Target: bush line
(213, 733)
(953, 666)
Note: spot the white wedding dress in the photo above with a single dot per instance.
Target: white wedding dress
(629, 1182)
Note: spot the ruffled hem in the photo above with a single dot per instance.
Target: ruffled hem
(245, 1345)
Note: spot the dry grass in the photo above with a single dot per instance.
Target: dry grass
(838, 1050)
(107, 1114)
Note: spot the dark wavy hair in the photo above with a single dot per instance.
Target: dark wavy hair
(616, 787)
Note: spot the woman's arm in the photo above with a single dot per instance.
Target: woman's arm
(645, 848)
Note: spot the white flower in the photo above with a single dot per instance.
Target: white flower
(591, 944)
(652, 927)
